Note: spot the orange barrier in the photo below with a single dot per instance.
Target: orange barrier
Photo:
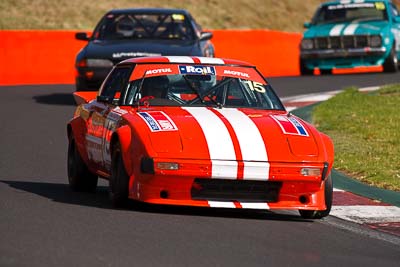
(47, 57)
(37, 57)
(274, 53)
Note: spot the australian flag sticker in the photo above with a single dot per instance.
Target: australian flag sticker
(290, 125)
(158, 121)
(197, 69)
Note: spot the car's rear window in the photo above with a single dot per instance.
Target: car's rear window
(144, 26)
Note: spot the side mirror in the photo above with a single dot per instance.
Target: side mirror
(81, 36)
(307, 25)
(205, 36)
(103, 99)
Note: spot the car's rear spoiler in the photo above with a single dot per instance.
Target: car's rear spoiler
(84, 97)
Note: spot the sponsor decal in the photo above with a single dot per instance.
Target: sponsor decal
(197, 69)
(290, 125)
(134, 54)
(380, 6)
(178, 17)
(237, 73)
(158, 121)
(351, 5)
(158, 71)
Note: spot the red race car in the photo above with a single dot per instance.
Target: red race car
(199, 132)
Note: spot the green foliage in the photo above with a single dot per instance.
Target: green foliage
(365, 128)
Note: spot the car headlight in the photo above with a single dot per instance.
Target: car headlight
(167, 166)
(376, 41)
(307, 44)
(99, 63)
(310, 172)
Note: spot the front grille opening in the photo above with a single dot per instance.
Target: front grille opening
(235, 190)
(342, 42)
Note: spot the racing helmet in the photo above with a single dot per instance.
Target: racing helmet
(125, 26)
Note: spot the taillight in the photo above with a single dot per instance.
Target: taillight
(82, 63)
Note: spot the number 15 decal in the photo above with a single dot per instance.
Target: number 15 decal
(255, 86)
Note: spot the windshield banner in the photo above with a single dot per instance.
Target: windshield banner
(151, 70)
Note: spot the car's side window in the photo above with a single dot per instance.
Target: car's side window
(116, 83)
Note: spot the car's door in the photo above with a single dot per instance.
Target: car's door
(104, 115)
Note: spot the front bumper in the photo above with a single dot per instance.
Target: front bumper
(343, 58)
(282, 190)
(342, 53)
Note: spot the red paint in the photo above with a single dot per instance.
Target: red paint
(350, 199)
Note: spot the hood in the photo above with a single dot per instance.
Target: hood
(357, 27)
(120, 50)
(228, 134)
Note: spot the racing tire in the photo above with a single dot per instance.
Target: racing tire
(304, 70)
(119, 180)
(319, 214)
(391, 62)
(79, 177)
(325, 71)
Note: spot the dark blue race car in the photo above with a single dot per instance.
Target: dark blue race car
(127, 33)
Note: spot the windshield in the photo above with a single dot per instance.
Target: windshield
(205, 88)
(350, 12)
(144, 26)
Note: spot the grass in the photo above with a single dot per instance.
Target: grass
(284, 15)
(365, 129)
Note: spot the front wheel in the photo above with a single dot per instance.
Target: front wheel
(390, 64)
(79, 176)
(318, 214)
(304, 70)
(119, 180)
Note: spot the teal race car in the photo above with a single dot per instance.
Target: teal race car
(351, 33)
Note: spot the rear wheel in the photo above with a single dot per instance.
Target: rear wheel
(119, 180)
(391, 62)
(318, 214)
(79, 176)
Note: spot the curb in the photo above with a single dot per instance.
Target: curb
(354, 201)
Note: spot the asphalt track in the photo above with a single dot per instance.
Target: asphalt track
(43, 223)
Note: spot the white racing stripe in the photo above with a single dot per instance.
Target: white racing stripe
(336, 30)
(350, 29)
(219, 142)
(210, 60)
(179, 59)
(251, 143)
(221, 204)
(254, 205)
(245, 205)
